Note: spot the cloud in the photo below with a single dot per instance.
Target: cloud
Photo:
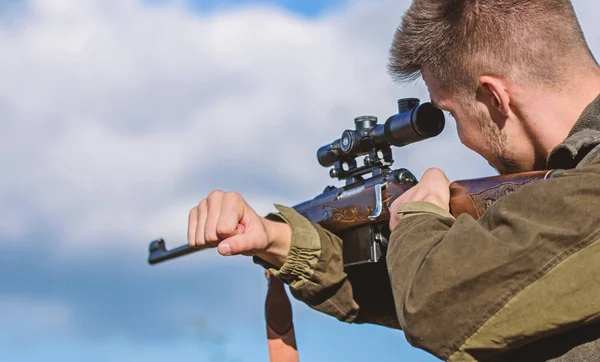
(121, 116)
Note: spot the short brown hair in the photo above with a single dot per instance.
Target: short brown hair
(459, 40)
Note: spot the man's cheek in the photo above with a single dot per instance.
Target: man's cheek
(473, 140)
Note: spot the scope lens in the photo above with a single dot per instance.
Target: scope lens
(428, 121)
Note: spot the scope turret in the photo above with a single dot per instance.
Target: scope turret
(414, 122)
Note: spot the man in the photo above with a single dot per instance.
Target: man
(521, 283)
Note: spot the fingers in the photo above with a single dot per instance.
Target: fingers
(438, 190)
(435, 175)
(434, 188)
(192, 223)
(225, 220)
(214, 202)
(394, 216)
(196, 223)
(435, 172)
(232, 211)
(216, 218)
(201, 223)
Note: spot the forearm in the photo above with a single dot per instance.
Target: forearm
(315, 272)
(280, 240)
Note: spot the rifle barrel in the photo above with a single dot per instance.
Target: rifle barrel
(159, 253)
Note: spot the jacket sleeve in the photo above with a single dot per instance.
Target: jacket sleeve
(462, 282)
(315, 273)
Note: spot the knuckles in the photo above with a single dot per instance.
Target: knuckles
(198, 207)
(210, 236)
(214, 195)
(436, 173)
(233, 196)
(223, 230)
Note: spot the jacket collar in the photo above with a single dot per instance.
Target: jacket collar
(582, 145)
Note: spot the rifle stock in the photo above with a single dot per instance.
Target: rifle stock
(475, 196)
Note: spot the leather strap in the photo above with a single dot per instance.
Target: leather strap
(280, 328)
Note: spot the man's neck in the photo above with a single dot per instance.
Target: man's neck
(552, 114)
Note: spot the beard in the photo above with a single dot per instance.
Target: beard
(503, 158)
(505, 161)
(507, 165)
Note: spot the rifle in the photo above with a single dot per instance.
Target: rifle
(359, 211)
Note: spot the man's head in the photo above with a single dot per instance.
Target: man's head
(482, 59)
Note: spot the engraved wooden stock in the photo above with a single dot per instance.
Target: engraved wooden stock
(354, 210)
(475, 196)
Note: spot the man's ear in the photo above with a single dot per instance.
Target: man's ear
(493, 93)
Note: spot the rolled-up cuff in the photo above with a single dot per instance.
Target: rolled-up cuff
(305, 248)
(423, 207)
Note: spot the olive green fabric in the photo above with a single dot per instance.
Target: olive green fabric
(304, 253)
(460, 287)
(313, 254)
(450, 279)
(581, 146)
(552, 303)
(423, 207)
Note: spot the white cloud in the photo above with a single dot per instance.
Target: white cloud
(116, 114)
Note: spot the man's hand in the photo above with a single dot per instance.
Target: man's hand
(434, 187)
(224, 220)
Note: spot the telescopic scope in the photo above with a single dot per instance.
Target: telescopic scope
(414, 122)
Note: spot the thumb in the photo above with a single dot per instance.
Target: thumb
(237, 244)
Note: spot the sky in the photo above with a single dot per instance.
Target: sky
(118, 116)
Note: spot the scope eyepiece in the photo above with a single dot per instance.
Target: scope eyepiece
(413, 123)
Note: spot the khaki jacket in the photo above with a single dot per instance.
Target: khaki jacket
(522, 283)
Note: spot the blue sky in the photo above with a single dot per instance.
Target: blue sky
(306, 8)
(118, 116)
